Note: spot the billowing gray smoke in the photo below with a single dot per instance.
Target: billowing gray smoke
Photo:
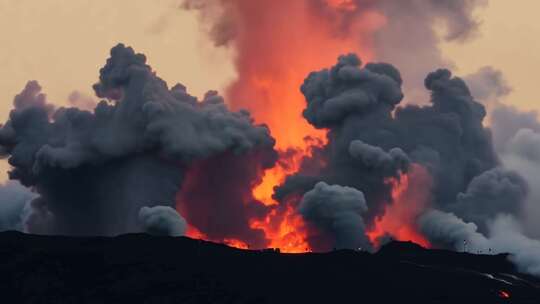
(14, 198)
(504, 236)
(338, 210)
(392, 161)
(449, 231)
(357, 105)
(518, 135)
(369, 139)
(148, 144)
(493, 192)
(162, 220)
(354, 103)
(499, 210)
(515, 137)
(93, 171)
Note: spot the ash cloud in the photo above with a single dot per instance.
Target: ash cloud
(515, 138)
(357, 104)
(446, 230)
(504, 236)
(489, 194)
(337, 210)
(14, 201)
(376, 158)
(375, 86)
(94, 170)
(521, 154)
(162, 220)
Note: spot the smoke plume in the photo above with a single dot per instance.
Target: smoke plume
(95, 170)
(162, 220)
(14, 198)
(356, 104)
(337, 210)
(504, 236)
(386, 30)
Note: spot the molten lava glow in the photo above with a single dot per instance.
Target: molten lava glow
(347, 5)
(194, 233)
(285, 229)
(504, 294)
(410, 196)
(235, 243)
(277, 44)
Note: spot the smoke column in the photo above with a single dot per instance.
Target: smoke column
(277, 43)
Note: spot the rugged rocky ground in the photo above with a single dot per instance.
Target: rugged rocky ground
(143, 269)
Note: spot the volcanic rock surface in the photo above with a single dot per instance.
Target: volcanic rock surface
(138, 268)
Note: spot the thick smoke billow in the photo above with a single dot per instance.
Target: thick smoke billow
(377, 85)
(514, 226)
(493, 192)
(357, 105)
(13, 199)
(162, 220)
(338, 211)
(515, 138)
(504, 235)
(521, 153)
(374, 157)
(446, 230)
(95, 170)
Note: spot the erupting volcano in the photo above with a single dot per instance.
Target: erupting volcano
(277, 44)
(337, 133)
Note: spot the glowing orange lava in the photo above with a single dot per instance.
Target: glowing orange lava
(235, 243)
(285, 230)
(410, 196)
(194, 233)
(277, 44)
(347, 5)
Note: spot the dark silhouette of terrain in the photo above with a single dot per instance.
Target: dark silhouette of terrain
(139, 268)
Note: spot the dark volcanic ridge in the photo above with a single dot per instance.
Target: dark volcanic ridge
(139, 268)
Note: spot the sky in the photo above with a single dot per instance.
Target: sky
(63, 43)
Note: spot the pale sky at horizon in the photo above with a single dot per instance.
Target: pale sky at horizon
(63, 43)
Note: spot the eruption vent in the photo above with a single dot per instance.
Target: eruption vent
(410, 196)
(278, 43)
